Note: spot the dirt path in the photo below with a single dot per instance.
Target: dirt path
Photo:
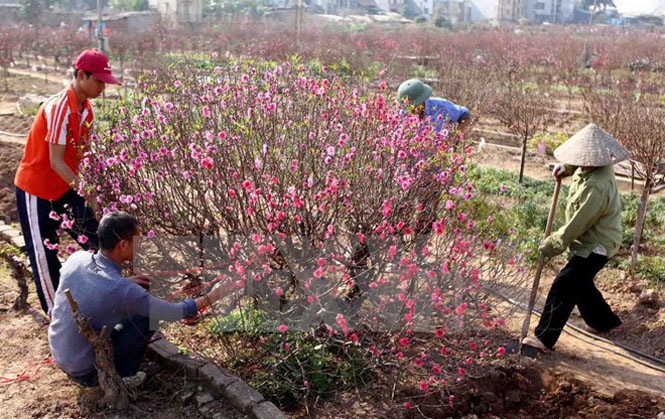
(604, 371)
(62, 80)
(40, 75)
(48, 393)
(10, 139)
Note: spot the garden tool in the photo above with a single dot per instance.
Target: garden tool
(541, 263)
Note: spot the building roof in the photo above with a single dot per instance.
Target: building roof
(120, 16)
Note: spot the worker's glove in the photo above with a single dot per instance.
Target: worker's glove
(559, 171)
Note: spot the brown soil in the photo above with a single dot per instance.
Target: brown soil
(11, 147)
(50, 394)
(10, 156)
(644, 324)
(22, 82)
(16, 124)
(507, 389)
(607, 372)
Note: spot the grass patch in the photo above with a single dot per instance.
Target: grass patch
(294, 367)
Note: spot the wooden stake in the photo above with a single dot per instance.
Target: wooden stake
(541, 263)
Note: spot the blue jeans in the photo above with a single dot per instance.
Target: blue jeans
(129, 347)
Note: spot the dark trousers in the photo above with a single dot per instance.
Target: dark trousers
(129, 346)
(574, 286)
(37, 226)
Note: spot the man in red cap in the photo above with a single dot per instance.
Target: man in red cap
(47, 178)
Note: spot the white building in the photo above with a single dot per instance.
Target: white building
(179, 11)
(484, 10)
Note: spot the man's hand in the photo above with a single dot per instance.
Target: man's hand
(141, 280)
(220, 290)
(96, 208)
(559, 171)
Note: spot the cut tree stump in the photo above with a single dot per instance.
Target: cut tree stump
(116, 394)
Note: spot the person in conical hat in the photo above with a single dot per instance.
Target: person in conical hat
(592, 234)
(439, 111)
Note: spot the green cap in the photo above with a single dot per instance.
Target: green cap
(416, 91)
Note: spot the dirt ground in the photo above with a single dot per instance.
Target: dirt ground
(10, 156)
(48, 393)
(508, 390)
(12, 122)
(21, 83)
(644, 327)
(577, 380)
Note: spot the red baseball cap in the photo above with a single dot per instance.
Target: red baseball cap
(95, 62)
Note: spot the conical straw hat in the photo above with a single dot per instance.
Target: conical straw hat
(591, 146)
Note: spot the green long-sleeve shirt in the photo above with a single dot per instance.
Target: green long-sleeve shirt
(593, 215)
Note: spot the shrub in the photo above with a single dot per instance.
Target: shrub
(654, 224)
(552, 140)
(649, 268)
(314, 199)
(442, 22)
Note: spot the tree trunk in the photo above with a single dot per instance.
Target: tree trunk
(37, 44)
(523, 158)
(115, 391)
(639, 223)
(122, 72)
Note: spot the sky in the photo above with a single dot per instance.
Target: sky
(638, 6)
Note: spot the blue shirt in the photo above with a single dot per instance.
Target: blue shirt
(106, 298)
(448, 111)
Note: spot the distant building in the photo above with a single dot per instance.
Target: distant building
(537, 11)
(553, 11)
(9, 12)
(454, 11)
(338, 6)
(511, 10)
(395, 6)
(465, 11)
(426, 8)
(484, 10)
(179, 12)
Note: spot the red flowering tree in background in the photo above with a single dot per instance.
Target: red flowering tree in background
(633, 112)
